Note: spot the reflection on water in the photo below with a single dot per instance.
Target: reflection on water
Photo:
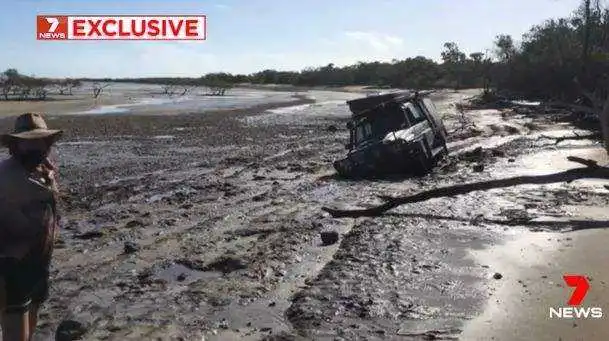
(235, 99)
(106, 109)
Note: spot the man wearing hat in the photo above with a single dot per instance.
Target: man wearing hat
(28, 221)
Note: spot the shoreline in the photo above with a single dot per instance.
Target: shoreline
(80, 102)
(532, 264)
(149, 123)
(297, 100)
(519, 306)
(77, 105)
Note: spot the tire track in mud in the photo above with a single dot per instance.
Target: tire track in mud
(393, 276)
(100, 300)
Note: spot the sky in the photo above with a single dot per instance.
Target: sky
(245, 36)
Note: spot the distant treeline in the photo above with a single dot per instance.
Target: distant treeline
(15, 86)
(417, 72)
(560, 59)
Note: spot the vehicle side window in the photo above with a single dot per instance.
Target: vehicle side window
(414, 113)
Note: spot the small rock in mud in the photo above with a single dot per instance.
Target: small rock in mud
(134, 223)
(223, 324)
(169, 222)
(329, 237)
(478, 219)
(296, 167)
(283, 336)
(478, 168)
(258, 177)
(474, 155)
(130, 247)
(511, 160)
(517, 216)
(60, 243)
(498, 153)
(70, 330)
(181, 277)
(192, 264)
(332, 129)
(226, 264)
(89, 235)
(259, 197)
(497, 275)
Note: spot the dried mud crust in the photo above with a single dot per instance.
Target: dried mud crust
(215, 232)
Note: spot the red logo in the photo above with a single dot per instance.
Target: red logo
(122, 27)
(51, 27)
(581, 285)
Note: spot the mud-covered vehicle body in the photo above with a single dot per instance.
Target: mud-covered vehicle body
(397, 132)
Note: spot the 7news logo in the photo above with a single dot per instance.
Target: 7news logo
(581, 285)
(51, 27)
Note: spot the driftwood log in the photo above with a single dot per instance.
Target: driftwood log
(575, 136)
(591, 171)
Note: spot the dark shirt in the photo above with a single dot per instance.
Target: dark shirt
(27, 211)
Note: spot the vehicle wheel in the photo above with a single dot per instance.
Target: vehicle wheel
(341, 170)
(444, 151)
(423, 161)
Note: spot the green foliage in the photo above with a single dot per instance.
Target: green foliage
(416, 73)
(559, 58)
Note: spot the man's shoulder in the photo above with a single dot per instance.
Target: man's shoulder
(17, 185)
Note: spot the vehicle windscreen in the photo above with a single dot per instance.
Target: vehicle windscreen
(377, 124)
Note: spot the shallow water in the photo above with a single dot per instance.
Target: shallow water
(149, 98)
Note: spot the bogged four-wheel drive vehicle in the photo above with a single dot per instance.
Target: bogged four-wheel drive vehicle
(396, 132)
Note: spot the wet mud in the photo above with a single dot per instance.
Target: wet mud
(209, 226)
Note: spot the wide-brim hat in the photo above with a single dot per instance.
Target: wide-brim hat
(31, 126)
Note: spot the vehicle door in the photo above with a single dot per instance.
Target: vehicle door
(430, 109)
(419, 123)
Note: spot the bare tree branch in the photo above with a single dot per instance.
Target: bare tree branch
(593, 136)
(591, 170)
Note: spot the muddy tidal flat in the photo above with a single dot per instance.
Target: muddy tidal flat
(183, 222)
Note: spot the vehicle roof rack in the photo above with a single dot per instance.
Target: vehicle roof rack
(364, 105)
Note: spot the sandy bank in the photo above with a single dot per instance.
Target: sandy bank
(532, 265)
(145, 99)
(59, 105)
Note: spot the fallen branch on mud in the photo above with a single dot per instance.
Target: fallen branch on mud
(591, 171)
(575, 136)
(465, 122)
